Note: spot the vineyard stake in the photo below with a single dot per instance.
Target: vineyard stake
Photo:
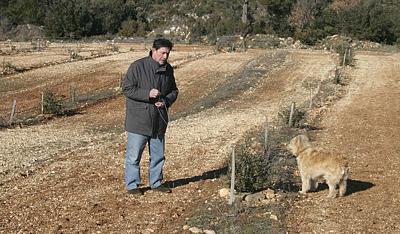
(121, 79)
(232, 194)
(14, 105)
(291, 114)
(72, 91)
(266, 149)
(311, 97)
(42, 106)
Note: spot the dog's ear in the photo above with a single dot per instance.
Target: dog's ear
(303, 139)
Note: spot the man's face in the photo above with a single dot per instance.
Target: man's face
(160, 55)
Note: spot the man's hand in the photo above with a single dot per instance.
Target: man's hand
(154, 93)
(159, 104)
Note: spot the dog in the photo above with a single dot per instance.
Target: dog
(315, 164)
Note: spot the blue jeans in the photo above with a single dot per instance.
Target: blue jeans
(134, 149)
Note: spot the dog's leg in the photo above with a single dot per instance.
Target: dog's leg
(343, 183)
(342, 188)
(332, 188)
(305, 184)
(314, 185)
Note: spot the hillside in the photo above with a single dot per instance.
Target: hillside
(200, 21)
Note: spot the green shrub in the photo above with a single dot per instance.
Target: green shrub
(345, 52)
(251, 174)
(256, 169)
(51, 104)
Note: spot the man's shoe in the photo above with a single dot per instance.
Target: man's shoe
(136, 191)
(163, 189)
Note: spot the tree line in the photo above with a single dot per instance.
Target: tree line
(307, 20)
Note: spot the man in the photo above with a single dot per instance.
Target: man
(150, 89)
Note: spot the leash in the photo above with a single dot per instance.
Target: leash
(166, 111)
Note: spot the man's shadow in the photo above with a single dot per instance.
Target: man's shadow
(353, 186)
(213, 174)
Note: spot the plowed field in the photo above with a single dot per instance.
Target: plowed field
(66, 175)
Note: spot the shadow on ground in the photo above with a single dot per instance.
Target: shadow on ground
(353, 186)
(205, 176)
(213, 174)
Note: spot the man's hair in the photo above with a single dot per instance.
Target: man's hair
(162, 42)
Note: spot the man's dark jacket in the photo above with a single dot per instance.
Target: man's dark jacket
(142, 116)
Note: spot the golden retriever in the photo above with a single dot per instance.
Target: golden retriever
(315, 164)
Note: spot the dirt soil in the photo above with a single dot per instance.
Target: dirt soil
(87, 76)
(67, 175)
(364, 126)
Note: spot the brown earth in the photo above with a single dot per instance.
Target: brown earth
(86, 76)
(365, 127)
(67, 175)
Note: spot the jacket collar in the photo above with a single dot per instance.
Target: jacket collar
(158, 67)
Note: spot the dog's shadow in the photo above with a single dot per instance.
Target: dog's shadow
(353, 186)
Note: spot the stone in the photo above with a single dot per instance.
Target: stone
(274, 217)
(224, 193)
(195, 230)
(209, 231)
(256, 197)
(269, 193)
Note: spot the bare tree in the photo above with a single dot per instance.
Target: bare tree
(303, 14)
(245, 13)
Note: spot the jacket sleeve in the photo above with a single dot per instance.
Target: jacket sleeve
(171, 97)
(130, 86)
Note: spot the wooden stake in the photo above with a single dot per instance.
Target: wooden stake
(344, 58)
(311, 97)
(291, 114)
(349, 53)
(13, 108)
(72, 92)
(232, 195)
(42, 106)
(319, 87)
(121, 80)
(266, 149)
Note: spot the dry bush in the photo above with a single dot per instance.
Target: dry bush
(113, 47)
(338, 77)
(297, 118)
(8, 68)
(74, 54)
